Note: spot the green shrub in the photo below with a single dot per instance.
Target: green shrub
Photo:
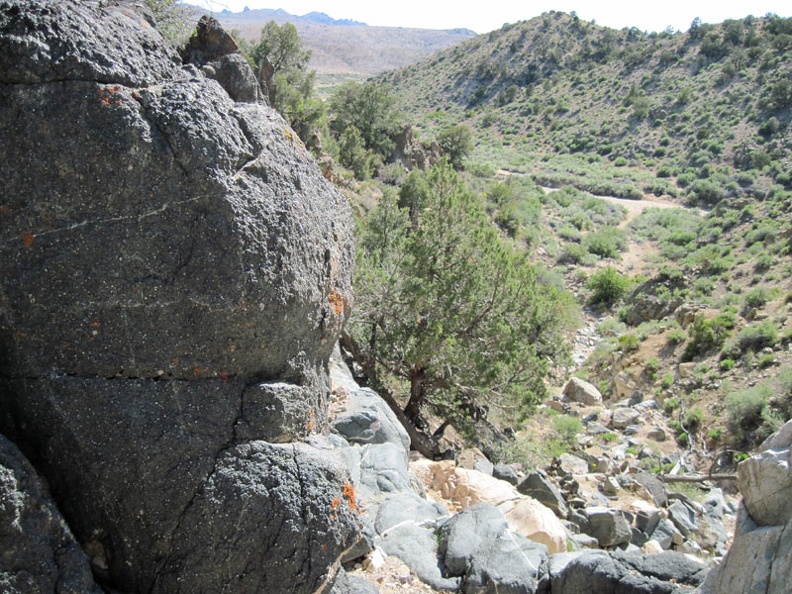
(705, 193)
(651, 367)
(629, 342)
(574, 254)
(608, 286)
(676, 336)
(706, 335)
(570, 233)
(670, 405)
(726, 365)
(567, 428)
(605, 243)
(757, 337)
(757, 297)
(763, 263)
(611, 327)
(693, 419)
(785, 382)
(745, 410)
(685, 179)
(764, 233)
(766, 360)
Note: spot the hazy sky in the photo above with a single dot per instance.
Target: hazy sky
(485, 15)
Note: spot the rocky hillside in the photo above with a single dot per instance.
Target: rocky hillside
(348, 47)
(651, 173)
(594, 520)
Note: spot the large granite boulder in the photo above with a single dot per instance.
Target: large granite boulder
(38, 553)
(625, 573)
(216, 53)
(175, 233)
(607, 525)
(175, 273)
(525, 515)
(478, 545)
(760, 558)
(538, 485)
(578, 390)
(765, 480)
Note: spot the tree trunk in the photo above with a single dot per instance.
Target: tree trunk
(421, 442)
(438, 433)
(696, 478)
(417, 395)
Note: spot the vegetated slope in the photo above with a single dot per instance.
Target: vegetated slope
(344, 46)
(704, 112)
(703, 118)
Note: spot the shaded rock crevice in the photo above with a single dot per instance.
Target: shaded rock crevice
(200, 486)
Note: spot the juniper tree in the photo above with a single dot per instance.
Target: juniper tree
(449, 312)
(292, 92)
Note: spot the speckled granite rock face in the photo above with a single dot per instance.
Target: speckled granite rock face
(175, 273)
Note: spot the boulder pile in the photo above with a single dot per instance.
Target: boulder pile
(462, 529)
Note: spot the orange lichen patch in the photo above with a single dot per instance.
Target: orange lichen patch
(197, 372)
(28, 239)
(223, 375)
(348, 491)
(334, 507)
(311, 424)
(106, 96)
(337, 302)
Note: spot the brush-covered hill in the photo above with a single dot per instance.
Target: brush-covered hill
(703, 113)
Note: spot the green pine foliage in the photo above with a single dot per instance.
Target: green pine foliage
(370, 108)
(608, 286)
(449, 313)
(293, 92)
(172, 19)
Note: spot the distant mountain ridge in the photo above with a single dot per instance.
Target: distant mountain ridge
(278, 14)
(346, 46)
